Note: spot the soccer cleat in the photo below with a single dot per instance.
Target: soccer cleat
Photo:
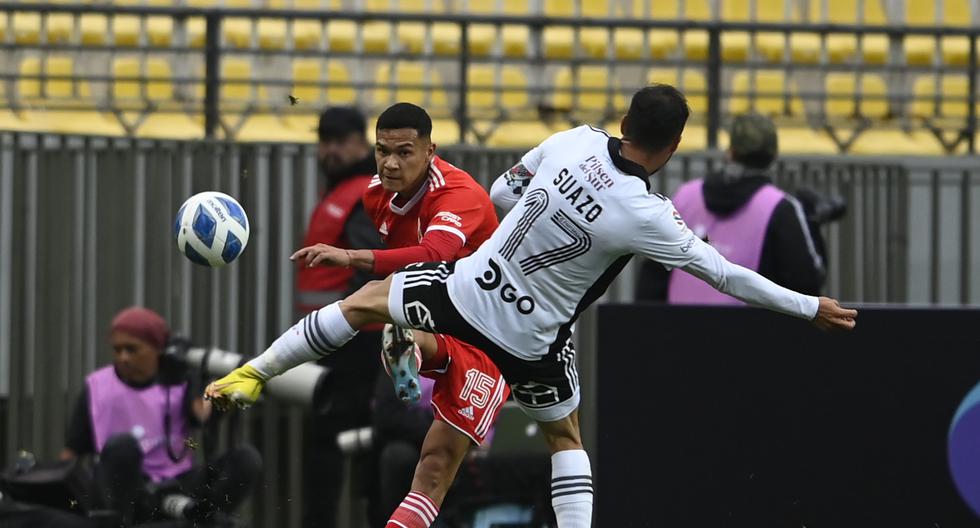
(401, 358)
(241, 387)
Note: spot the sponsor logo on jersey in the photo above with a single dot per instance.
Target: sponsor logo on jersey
(450, 218)
(335, 210)
(384, 228)
(492, 279)
(679, 221)
(595, 174)
(466, 412)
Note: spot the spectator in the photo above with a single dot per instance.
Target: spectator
(137, 417)
(748, 220)
(346, 161)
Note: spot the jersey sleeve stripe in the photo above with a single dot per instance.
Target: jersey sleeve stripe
(450, 229)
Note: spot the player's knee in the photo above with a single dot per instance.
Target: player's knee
(368, 304)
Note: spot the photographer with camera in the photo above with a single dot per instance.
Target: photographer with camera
(136, 416)
(747, 219)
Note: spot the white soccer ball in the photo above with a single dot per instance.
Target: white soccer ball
(211, 229)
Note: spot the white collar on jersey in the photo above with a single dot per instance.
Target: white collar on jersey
(435, 180)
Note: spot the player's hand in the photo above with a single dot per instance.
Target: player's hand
(322, 255)
(241, 388)
(832, 316)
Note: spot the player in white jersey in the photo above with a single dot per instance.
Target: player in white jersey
(581, 208)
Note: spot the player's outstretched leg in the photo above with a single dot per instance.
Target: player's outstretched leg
(571, 473)
(315, 336)
(442, 452)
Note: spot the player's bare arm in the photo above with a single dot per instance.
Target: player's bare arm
(326, 255)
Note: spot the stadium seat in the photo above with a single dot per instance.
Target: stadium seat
(492, 90)
(690, 82)
(520, 134)
(60, 105)
(306, 33)
(765, 92)
(237, 84)
(335, 77)
(592, 41)
(596, 99)
(797, 140)
(842, 47)
(896, 142)
(921, 49)
(483, 38)
(415, 82)
(272, 128)
(951, 92)
(846, 100)
(27, 28)
(663, 42)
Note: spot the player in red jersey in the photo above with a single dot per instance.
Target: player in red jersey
(427, 210)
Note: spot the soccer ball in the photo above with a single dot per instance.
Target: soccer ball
(211, 229)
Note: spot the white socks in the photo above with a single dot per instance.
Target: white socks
(571, 488)
(313, 337)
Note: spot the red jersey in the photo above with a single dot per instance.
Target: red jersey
(450, 215)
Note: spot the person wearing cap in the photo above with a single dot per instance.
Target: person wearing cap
(346, 161)
(137, 417)
(746, 218)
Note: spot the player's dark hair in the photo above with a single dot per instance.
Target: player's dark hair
(406, 115)
(656, 117)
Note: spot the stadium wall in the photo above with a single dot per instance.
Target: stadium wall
(86, 229)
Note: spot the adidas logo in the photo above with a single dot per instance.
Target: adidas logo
(467, 412)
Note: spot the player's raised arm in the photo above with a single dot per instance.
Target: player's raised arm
(664, 237)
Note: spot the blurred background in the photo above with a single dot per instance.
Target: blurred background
(112, 113)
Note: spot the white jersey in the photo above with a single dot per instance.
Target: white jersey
(578, 220)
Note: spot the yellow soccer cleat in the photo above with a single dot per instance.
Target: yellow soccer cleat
(241, 387)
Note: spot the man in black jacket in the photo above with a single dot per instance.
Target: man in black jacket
(749, 221)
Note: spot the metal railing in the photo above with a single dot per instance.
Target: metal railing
(85, 230)
(537, 63)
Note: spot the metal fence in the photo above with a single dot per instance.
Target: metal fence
(733, 66)
(86, 229)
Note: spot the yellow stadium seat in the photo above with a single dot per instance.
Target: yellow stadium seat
(414, 83)
(342, 35)
(3, 27)
(60, 28)
(306, 33)
(126, 30)
(594, 81)
(27, 28)
(335, 77)
(63, 88)
(695, 138)
(559, 42)
(520, 134)
(952, 92)
(896, 142)
(513, 39)
(236, 83)
(691, 83)
(766, 95)
(491, 90)
(272, 128)
(921, 49)
(796, 140)
(842, 47)
(843, 93)
(172, 125)
(60, 105)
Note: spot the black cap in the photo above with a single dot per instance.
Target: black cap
(340, 121)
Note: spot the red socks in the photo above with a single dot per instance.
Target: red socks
(416, 511)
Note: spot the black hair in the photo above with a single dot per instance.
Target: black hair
(406, 115)
(754, 160)
(656, 117)
(338, 122)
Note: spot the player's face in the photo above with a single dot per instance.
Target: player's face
(403, 159)
(136, 360)
(337, 154)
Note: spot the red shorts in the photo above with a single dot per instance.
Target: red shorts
(469, 391)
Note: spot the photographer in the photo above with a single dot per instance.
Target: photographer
(747, 219)
(135, 416)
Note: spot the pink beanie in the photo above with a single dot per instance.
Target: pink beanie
(142, 323)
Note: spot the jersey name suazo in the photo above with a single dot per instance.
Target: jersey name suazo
(449, 201)
(579, 218)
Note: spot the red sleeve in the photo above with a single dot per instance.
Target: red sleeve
(435, 246)
(459, 211)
